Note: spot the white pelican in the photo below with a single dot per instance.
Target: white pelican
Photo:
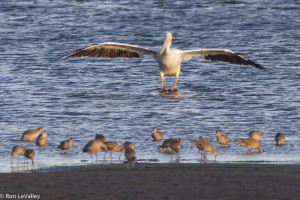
(168, 59)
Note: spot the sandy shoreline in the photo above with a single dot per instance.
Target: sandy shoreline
(158, 181)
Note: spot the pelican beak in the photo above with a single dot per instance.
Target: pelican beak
(167, 41)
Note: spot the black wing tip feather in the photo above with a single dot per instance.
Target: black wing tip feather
(235, 59)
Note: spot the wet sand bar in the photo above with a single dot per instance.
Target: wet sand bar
(158, 181)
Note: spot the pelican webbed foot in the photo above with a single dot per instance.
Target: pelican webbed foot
(172, 90)
(162, 89)
(167, 90)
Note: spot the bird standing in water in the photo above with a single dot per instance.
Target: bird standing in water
(66, 144)
(156, 135)
(222, 139)
(168, 59)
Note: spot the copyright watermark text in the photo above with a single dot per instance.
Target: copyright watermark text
(20, 196)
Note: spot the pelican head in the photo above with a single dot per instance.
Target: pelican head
(168, 40)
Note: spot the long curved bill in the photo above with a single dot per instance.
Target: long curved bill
(167, 40)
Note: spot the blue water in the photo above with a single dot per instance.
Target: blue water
(116, 97)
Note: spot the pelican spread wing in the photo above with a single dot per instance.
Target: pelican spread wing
(110, 49)
(224, 55)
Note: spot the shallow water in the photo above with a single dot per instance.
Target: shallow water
(116, 97)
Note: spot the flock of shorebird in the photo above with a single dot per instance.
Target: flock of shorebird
(205, 146)
(171, 145)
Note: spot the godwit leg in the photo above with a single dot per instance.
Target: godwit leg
(33, 167)
(120, 155)
(105, 155)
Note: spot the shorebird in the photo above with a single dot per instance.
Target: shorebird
(113, 146)
(30, 134)
(201, 138)
(128, 145)
(92, 147)
(250, 143)
(167, 143)
(131, 157)
(175, 146)
(42, 139)
(66, 144)
(17, 150)
(279, 138)
(29, 154)
(100, 137)
(156, 135)
(222, 139)
(255, 134)
(168, 59)
(130, 153)
(204, 145)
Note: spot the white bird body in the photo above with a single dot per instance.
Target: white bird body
(170, 62)
(168, 59)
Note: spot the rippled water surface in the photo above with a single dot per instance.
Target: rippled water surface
(117, 97)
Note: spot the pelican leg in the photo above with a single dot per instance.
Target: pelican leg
(174, 89)
(161, 83)
(176, 79)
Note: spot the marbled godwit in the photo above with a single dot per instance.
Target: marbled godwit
(175, 146)
(66, 144)
(100, 137)
(167, 143)
(256, 134)
(30, 134)
(17, 150)
(93, 147)
(250, 143)
(113, 146)
(279, 138)
(205, 145)
(201, 138)
(128, 145)
(222, 139)
(42, 139)
(131, 156)
(29, 154)
(130, 153)
(156, 135)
